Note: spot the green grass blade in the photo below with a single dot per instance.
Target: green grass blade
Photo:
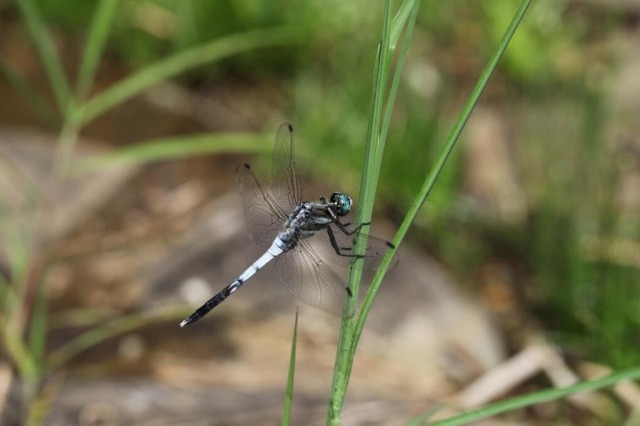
(423, 419)
(373, 155)
(173, 148)
(286, 417)
(16, 237)
(537, 398)
(80, 317)
(113, 328)
(36, 101)
(17, 351)
(379, 124)
(397, 25)
(98, 33)
(375, 145)
(375, 285)
(412, 6)
(47, 52)
(440, 162)
(373, 150)
(8, 296)
(38, 325)
(183, 61)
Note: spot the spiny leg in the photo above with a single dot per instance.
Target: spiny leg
(334, 244)
(344, 227)
(336, 247)
(339, 250)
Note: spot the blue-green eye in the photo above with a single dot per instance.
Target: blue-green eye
(342, 202)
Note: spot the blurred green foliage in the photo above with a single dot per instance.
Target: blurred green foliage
(587, 300)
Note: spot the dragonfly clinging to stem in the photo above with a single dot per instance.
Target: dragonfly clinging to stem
(280, 223)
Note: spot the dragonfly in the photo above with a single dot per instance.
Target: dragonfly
(282, 225)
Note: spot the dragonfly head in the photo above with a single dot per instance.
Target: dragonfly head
(342, 203)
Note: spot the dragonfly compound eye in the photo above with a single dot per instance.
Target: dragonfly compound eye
(342, 202)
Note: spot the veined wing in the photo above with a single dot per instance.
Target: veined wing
(308, 278)
(285, 185)
(375, 247)
(263, 214)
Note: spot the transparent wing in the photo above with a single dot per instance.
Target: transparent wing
(264, 215)
(308, 278)
(285, 186)
(375, 249)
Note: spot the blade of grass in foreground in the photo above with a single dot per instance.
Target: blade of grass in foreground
(537, 398)
(37, 101)
(286, 417)
(439, 165)
(181, 62)
(352, 328)
(98, 32)
(423, 419)
(47, 53)
(17, 351)
(372, 161)
(173, 148)
(115, 327)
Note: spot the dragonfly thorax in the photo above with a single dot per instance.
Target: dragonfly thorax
(341, 202)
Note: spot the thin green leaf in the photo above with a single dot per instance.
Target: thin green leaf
(43, 400)
(423, 419)
(47, 52)
(344, 361)
(111, 329)
(184, 61)
(67, 141)
(8, 295)
(172, 148)
(375, 285)
(18, 261)
(286, 417)
(537, 398)
(397, 25)
(373, 155)
(80, 317)
(37, 102)
(38, 325)
(412, 6)
(98, 33)
(371, 175)
(17, 351)
(440, 162)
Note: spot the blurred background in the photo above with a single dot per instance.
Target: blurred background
(117, 223)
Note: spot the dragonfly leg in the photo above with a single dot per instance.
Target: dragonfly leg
(339, 250)
(344, 227)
